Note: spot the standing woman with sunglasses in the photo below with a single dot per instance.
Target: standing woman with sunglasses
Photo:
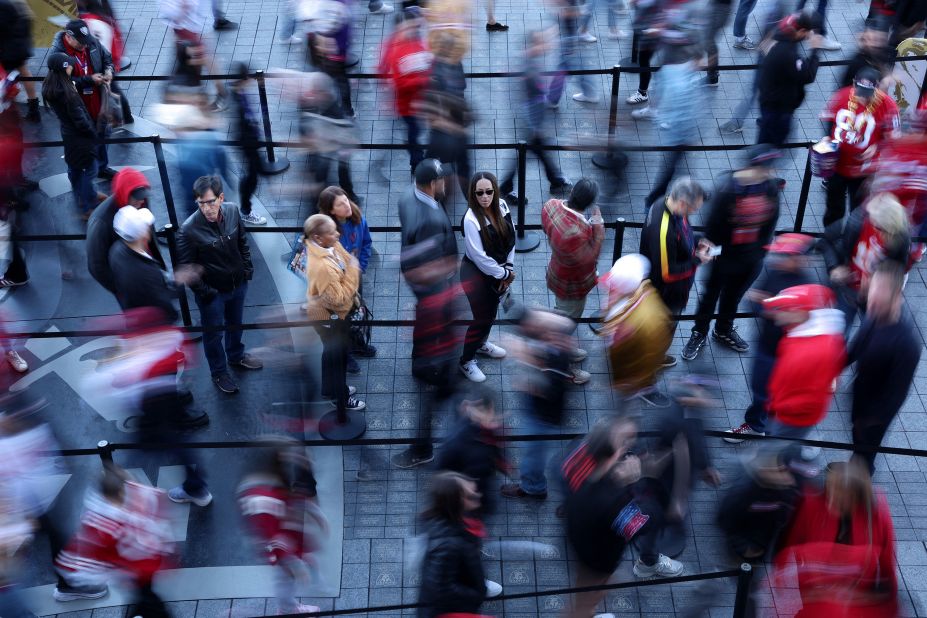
(487, 269)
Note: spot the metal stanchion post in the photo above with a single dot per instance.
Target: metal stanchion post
(743, 590)
(342, 424)
(529, 241)
(619, 239)
(605, 160)
(273, 165)
(106, 451)
(803, 196)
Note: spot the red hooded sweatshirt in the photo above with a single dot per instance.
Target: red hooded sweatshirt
(809, 358)
(125, 182)
(409, 65)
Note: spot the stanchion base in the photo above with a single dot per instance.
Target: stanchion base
(354, 427)
(269, 168)
(613, 161)
(602, 160)
(125, 63)
(529, 243)
(352, 60)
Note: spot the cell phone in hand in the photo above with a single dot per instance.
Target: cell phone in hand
(714, 251)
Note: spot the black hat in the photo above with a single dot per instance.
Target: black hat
(78, 29)
(430, 170)
(808, 20)
(761, 155)
(866, 81)
(60, 61)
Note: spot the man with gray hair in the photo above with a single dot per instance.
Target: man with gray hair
(673, 250)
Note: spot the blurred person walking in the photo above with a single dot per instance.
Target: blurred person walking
(783, 75)
(78, 130)
(570, 13)
(92, 73)
(741, 221)
(858, 117)
(785, 267)
(428, 260)
(718, 14)
(214, 239)
(487, 270)
(827, 43)
(901, 169)
(199, 151)
(453, 580)
(637, 330)
(328, 43)
(647, 25)
(333, 276)
(886, 351)
(247, 133)
(98, 15)
(873, 50)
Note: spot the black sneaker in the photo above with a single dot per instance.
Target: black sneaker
(369, 351)
(248, 362)
(694, 346)
(224, 24)
(496, 27)
(225, 383)
(355, 404)
(191, 418)
(731, 339)
(353, 367)
(668, 361)
(407, 459)
(75, 593)
(712, 80)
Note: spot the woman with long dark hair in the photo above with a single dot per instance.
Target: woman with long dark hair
(487, 269)
(78, 130)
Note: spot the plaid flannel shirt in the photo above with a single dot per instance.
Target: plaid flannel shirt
(574, 248)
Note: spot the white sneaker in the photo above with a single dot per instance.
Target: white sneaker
(636, 98)
(178, 495)
(579, 355)
(296, 40)
(615, 35)
(829, 44)
(607, 615)
(644, 113)
(664, 567)
(301, 609)
(491, 350)
(383, 10)
(492, 589)
(582, 98)
(472, 371)
(17, 362)
(580, 377)
(253, 219)
(809, 453)
(587, 37)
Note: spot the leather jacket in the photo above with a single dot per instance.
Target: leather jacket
(221, 248)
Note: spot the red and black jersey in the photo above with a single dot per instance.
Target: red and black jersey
(858, 127)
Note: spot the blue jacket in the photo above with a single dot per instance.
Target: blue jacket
(355, 238)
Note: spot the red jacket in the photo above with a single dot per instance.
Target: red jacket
(574, 250)
(809, 358)
(409, 65)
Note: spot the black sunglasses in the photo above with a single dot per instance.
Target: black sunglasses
(482, 192)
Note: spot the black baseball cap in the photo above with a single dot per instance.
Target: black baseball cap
(78, 29)
(866, 81)
(430, 170)
(60, 61)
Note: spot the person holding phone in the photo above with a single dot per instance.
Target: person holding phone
(487, 269)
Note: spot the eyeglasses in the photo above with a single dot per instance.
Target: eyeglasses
(482, 192)
(207, 202)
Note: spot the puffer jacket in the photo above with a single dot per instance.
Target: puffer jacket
(221, 248)
(452, 572)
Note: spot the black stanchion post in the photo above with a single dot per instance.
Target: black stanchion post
(342, 424)
(529, 241)
(803, 196)
(604, 159)
(106, 451)
(619, 239)
(273, 165)
(743, 590)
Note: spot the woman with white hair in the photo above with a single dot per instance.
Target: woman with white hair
(637, 330)
(878, 231)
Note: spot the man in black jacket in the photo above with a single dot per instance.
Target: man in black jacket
(92, 71)
(214, 239)
(741, 222)
(784, 73)
(886, 351)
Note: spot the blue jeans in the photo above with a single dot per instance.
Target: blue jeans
(82, 184)
(775, 127)
(224, 309)
(570, 59)
(821, 10)
(756, 415)
(590, 12)
(744, 8)
(776, 429)
(534, 461)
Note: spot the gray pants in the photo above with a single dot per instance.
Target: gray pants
(572, 307)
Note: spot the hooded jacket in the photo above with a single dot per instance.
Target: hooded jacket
(141, 281)
(452, 571)
(783, 74)
(100, 232)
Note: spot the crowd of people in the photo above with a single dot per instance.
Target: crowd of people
(824, 531)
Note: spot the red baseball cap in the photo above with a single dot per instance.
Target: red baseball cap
(806, 297)
(791, 244)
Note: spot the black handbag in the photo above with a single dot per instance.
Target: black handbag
(360, 333)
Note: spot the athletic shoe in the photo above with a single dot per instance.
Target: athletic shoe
(644, 113)
(652, 397)
(407, 459)
(664, 567)
(352, 366)
(743, 430)
(191, 418)
(561, 186)
(253, 219)
(732, 126)
(616, 35)
(810, 452)
(730, 339)
(712, 81)
(355, 405)
(383, 10)
(178, 495)
(491, 350)
(637, 97)
(580, 377)
(514, 490)
(302, 609)
(668, 361)
(248, 362)
(694, 346)
(17, 362)
(496, 27)
(745, 43)
(492, 589)
(587, 37)
(224, 24)
(605, 615)
(225, 383)
(579, 355)
(369, 351)
(829, 44)
(67, 593)
(472, 371)
(581, 97)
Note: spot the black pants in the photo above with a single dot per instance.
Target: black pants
(675, 296)
(450, 148)
(666, 175)
(414, 130)
(775, 126)
(161, 409)
(837, 189)
(484, 303)
(869, 432)
(334, 336)
(728, 280)
(642, 57)
(319, 166)
(249, 181)
(536, 145)
(148, 604)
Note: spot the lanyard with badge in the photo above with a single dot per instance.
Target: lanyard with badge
(88, 90)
